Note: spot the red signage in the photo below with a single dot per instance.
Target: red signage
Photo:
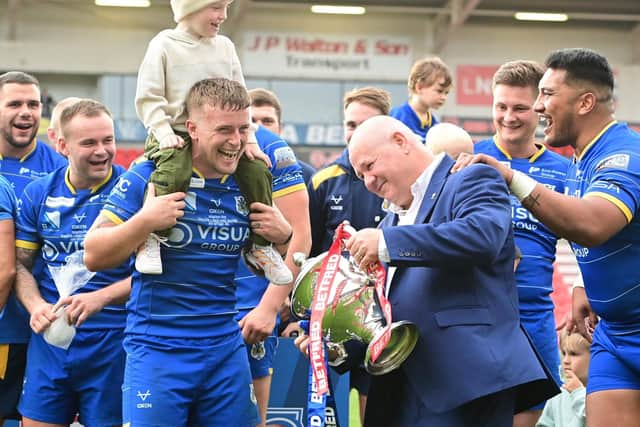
(473, 84)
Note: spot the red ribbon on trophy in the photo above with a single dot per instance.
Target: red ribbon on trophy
(380, 342)
(324, 292)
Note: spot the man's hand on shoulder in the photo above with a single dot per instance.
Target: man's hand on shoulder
(466, 159)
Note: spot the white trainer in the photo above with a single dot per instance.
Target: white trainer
(267, 259)
(148, 259)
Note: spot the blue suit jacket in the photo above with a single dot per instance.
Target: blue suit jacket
(455, 281)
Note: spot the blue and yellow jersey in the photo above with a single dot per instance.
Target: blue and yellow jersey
(8, 211)
(336, 194)
(609, 168)
(8, 202)
(409, 117)
(287, 179)
(38, 162)
(195, 296)
(53, 219)
(535, 240)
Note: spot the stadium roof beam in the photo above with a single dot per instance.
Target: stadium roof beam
(635, 45)
(448, 22)
(236, 15)
(12, 20)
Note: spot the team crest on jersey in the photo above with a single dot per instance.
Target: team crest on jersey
(241, 205)
(336, 199)
(617, 161)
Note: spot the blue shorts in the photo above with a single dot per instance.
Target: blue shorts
(261, 357)
(615, 361)
(541, 327)
(84, 379)
(11, 376)
(176, 382)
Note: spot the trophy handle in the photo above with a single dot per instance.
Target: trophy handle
(404, 336)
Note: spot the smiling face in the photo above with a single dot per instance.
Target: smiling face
(266, 115)
(354, 114)
(20, 111)
(206, 22)
(557, 105)
(513, 115)
(380, 161)
(218, 137)
(89, 144)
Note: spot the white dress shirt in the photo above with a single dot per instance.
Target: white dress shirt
(407, 216)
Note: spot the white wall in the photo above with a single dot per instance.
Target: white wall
(54, 38)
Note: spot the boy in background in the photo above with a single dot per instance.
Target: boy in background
(175, 60)
(567, 408)
(429, 84)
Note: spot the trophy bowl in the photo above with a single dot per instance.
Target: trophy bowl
(352, 313)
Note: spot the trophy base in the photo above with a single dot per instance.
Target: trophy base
(404, 336)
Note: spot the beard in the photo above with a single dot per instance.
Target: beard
(563, 135)
(19, 144)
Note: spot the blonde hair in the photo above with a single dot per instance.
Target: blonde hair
(519, 73)
(374, 97)
(428, 71)
(82, 107)
(573, 341)
(219, 92)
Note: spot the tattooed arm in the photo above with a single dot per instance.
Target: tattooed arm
(588, 221)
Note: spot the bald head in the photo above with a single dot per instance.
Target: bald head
(378, 130)
(389, 157)
(450, 139)
(54, 131)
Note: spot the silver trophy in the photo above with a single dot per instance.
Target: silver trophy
(352, 313)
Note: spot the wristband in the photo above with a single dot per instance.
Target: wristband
(578, 283)
(288, 239)
(521, 185)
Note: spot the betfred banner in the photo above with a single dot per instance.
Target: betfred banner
(326, 56)
(473, 84)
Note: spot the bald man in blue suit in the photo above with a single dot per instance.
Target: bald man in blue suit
(449, 247)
